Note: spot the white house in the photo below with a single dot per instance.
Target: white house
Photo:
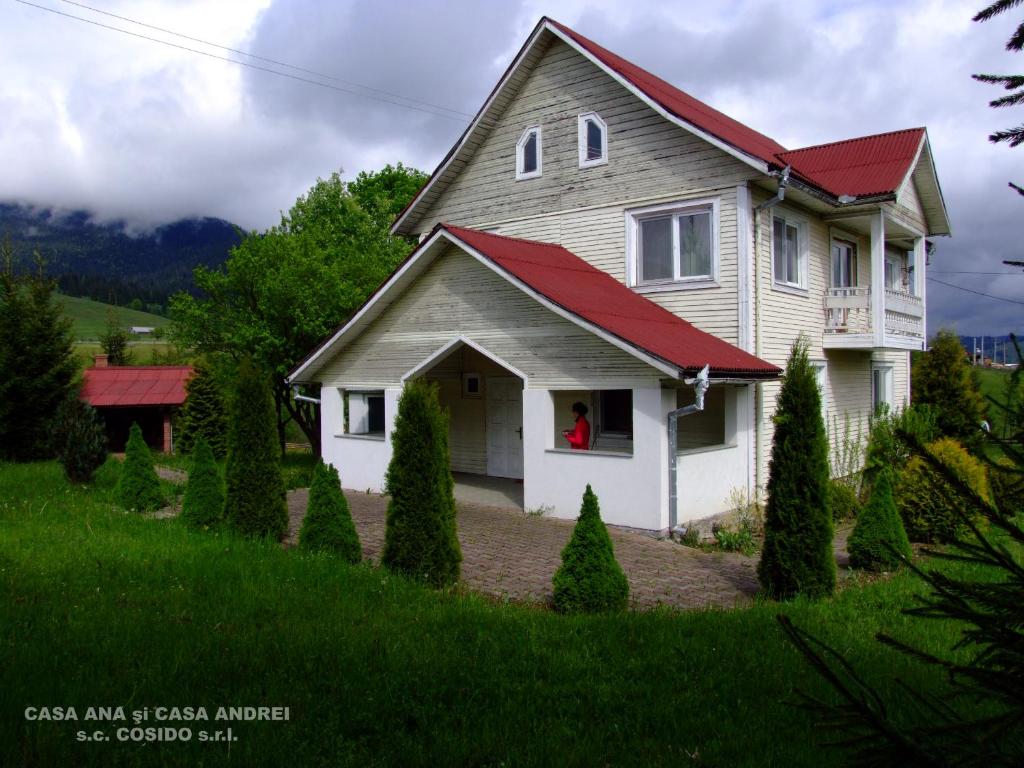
(598, 235)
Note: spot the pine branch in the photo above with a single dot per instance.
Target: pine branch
(1008, 101)
(995, 9)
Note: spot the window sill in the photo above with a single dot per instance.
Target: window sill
(706, 449)
(593, 163)
(528, 176)
(689, 285)
(612, 454)
(347, 436)
(795, 290)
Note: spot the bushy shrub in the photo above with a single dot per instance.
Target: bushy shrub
(203, 415)
(887, 450)
(927, 503)
(590, 579)
(1006, 482)
(203, 505)
(944, 379)
(797, 556)
(879, 539)
(328, 523)
(80, 441)
(420, 538)
(254, 504)
(842, 500)
(138, 487)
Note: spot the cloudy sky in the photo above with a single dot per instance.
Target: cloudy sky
(134, 129)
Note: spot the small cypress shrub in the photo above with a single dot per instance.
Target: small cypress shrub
(203, 505)
(138, 487)
(590, 579)
(80, 440)
(797, 557)
(879, 539)
(203, 415)
(420, 538)
(328, 523)
(842, 501)
(927, 503)
(255, 500)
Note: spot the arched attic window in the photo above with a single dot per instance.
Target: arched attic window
(593, 140)
(529, 161)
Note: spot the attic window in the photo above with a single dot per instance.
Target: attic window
(593, 140)
(529, 162)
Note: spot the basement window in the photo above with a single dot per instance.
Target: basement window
(529, 160)
(364, 413)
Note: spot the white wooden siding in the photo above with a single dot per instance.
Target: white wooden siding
(459, 296)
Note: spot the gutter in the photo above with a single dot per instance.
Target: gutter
(700, 386)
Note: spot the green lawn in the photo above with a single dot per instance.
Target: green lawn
(103, 608)
(90, 317)
(993, 384)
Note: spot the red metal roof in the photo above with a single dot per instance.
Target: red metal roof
(681, 104)
(135, 385)
(870, 165)
(567, 280)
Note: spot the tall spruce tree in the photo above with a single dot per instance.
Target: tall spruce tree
(204, 413)
(944, 380)
(138, 487)
(797, 557)
(37, 366)
(79, 439)
(255, 501)
(203, 505)
(420, 538)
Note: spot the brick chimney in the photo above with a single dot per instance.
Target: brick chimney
(100, 361)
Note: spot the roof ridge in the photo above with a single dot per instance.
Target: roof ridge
(851, 140)
(447, 226)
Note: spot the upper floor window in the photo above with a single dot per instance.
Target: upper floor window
(593, 140)
(789, 251)
(844, 264)
(529, 161)
(673, 243)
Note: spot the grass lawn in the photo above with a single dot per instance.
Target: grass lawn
(90, 317)
(993, 384)
(143, 353)
(103, 608)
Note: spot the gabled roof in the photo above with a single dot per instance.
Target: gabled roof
(863, 167)
(135, 385)
(580, 292)
(870, 166)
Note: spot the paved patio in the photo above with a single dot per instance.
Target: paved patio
(509, 554)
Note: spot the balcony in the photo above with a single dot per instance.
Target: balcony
(850, 319)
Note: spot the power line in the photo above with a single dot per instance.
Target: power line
(968, 272)
(978, 293)
(266, 59)
(244, 63)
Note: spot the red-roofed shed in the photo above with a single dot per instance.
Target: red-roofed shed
(147, 394)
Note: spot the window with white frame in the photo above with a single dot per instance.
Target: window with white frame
(713, 427)
(672, 244)
(844, 263)
(789, 239)
(364, 412)
(881, 387)
(609, 412)
(895, 269)
(593, 140)
(529, 158)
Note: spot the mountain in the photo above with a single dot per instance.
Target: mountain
(107, 261)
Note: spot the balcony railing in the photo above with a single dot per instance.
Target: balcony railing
(848, 310)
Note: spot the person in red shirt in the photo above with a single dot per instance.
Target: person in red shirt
(579, 437)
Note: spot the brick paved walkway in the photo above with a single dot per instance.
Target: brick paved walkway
(509, 554)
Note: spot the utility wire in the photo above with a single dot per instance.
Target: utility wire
(968, 272)
(264, 58)
(245, 64)
(978, 293)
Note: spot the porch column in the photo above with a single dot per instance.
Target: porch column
(878, 278)
(920, 275)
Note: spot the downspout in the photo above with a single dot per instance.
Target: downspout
(780, 195)
(700, 386)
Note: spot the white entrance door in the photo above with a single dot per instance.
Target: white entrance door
(504, 427)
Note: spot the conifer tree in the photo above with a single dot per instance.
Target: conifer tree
(255, 500)
(590, 579)
(37, 365)
(879, 540)
(203, 505)
(204, 414)
(79, 439)
(138, 488)
(420, 538)
(797, 556)
(944, 379)
(115, 341)
(328, 523)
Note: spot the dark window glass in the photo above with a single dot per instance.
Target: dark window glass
(695, 245)
(593, 140)
(375, 413)
(617, 411)
(656, 249)
(530, 154)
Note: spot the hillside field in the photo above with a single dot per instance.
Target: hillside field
(90, 317)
